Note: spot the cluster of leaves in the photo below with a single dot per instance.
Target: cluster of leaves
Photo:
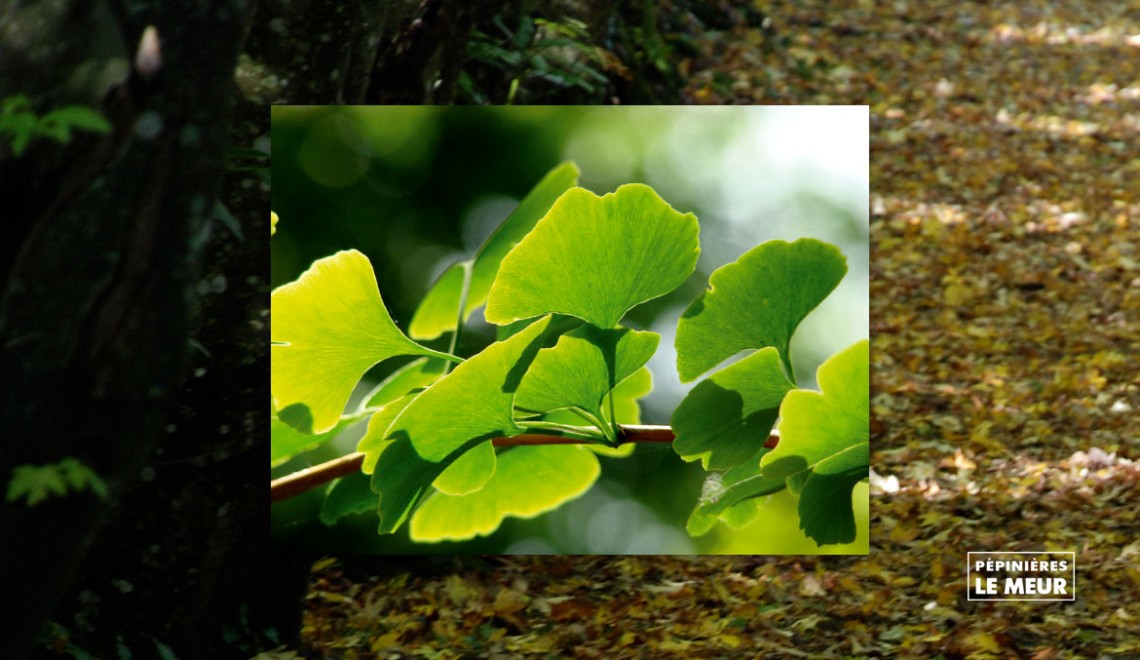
(538, 58)
(640, 53)
(20, 124)
(558, 277)
(36, 483)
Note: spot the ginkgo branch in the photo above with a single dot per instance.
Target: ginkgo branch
(308, 479)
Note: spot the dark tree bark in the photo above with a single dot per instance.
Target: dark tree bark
(100, 287)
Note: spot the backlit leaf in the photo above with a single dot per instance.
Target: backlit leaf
(723, 492)
(469, 472)
(475, 400)
(375, 438)
(596, 257)
(328, 328)
(824, 445)
(438, 310)
(626, 411)
(528, 481)
(583, 367)
(756, 301)
(414, 375)
(727, 417)
(347, 495)
(285, 442)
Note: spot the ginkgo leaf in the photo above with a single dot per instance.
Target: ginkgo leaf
(469, 406)
(328, 328)
(825, 507)
(824, 444)
(756, 301)
(285, 442)
(375, 437)
(347, 495)
(583, 367)
(438, 311)
(414, 375)
(626, 395)
(528, 481)
(723, 492)
(596, 257)
(727, 417)
(626, 411)
(474, 400)
(469, 473)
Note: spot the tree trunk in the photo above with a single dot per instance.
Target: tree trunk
(100, 287)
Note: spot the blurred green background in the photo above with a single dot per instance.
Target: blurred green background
(418, 187)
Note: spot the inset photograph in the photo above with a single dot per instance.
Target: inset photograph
(570, 330)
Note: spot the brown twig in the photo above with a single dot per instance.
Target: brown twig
(308, 479)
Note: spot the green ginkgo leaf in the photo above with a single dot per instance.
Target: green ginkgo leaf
(469, 473)
(438, 310)
(626, 396)
(328, 328)
(727, 417)
(722, 493)
(528, 481)
(824, 445)
(475, 400)
(826, 507)
(414, 375)
(375, 438)
(626, 411)
(583, 367)
(348, 495)
(401, 478)
(285, 442)
(756, 301)
(596, 257)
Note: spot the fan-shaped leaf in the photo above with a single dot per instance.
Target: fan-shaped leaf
(414, 375)
(596, 257)
(474, 405)
(473, 400)
(583, 367)
(726, 418)
(626, 411)
(528, 481)
(346, 496)
(756, 301)
(328, 328)
(722, 492)
(438, 310)
(824, 444)
(375, 438)
(285, 442)
(469, 472)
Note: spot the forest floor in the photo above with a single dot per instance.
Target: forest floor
(1005, 320)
